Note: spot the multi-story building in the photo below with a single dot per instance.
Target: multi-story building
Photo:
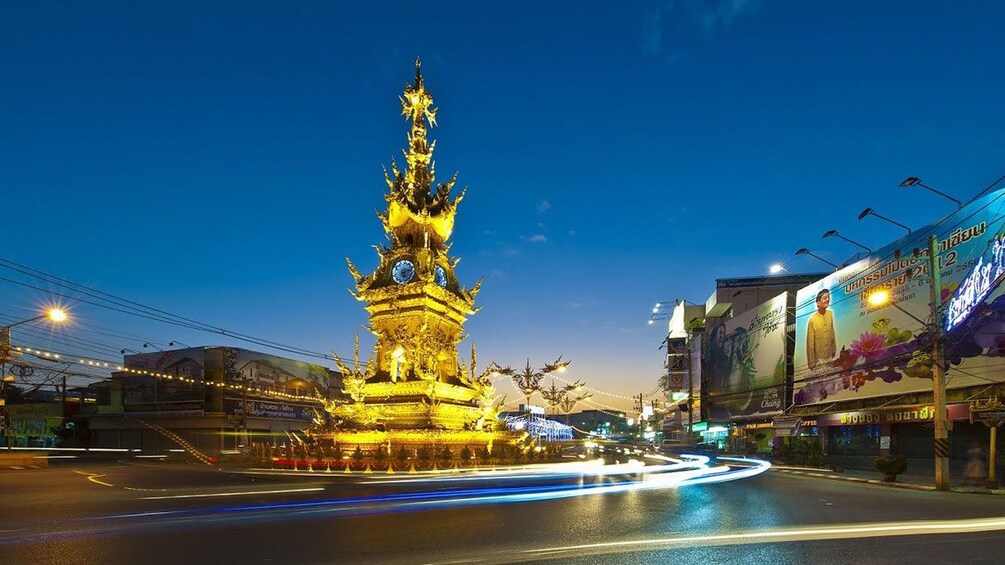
(847, 357)
(214, 398)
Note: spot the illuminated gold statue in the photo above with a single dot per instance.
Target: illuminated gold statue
(414, 379)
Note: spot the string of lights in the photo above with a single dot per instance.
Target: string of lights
(591, 389)
(604, 409)
(166, 376)
(111, 302)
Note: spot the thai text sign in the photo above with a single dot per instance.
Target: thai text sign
(895, 416)
(988, 416)
(271, 410)
(849, 349)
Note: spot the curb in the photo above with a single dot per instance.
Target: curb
(832, 476)
(827, 474)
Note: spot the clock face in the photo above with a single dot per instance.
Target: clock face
(441, 277)
(403, 271)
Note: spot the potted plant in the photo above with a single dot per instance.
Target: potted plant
(891, 466)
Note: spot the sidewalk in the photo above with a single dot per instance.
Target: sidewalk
(909, 481)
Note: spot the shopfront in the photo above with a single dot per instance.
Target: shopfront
(906, 430)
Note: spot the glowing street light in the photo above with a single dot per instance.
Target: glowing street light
(54, 314)
(879, 297)
(660, 311)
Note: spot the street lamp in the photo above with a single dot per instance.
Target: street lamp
(933, 327)
(659, 311)
(148, 344)
(174, 343)
(778, 268)
(804, 251)
(915, 181)
(528, 381)
(559, 397)
(871, 212)
(834, 233)
(56, 315)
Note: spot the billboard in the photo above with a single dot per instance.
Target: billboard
(143, 393)
(847, 348)
(272, 373)
(745, 363)
(264, 374)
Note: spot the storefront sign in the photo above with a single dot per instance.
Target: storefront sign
(787, 426)
(756, 426)
(988, 416)
(265, 409)
(895, 416)
(178, 408)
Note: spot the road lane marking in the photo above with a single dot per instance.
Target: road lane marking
(93, 477)
(248, 493)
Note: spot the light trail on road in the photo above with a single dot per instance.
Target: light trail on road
(689, 470)
(237, 493)
(812, 533)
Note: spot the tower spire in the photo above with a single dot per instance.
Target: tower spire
(419, 212)
(417, 106)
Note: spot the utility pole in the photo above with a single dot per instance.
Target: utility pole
(938, 375)
(62, 408)
(5, 357)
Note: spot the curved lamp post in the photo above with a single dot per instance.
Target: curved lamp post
(804, 251)
(55, 315)
(834, 233)
(871, 212)
(915, 181)
(528, 381)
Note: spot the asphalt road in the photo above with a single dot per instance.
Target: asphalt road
(158, 512)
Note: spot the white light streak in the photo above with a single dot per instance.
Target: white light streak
(247, 493)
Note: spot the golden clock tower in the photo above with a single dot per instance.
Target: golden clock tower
(414, 379)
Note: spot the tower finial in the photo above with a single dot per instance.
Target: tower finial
(418, 72)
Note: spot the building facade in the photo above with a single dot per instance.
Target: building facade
(216, 399)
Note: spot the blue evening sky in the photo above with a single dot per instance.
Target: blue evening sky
(218, 160)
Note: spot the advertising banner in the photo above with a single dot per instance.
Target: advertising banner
(745, 363)
(848, 348)
(272, 373)
(142, 392)
(270, 409)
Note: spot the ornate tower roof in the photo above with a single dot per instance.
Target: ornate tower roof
(416, 213)
(418, 221)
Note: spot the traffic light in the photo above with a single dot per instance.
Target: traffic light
(684, 407)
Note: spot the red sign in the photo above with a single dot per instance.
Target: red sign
(910, 414)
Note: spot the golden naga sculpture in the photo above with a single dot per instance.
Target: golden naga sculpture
(414, 379)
